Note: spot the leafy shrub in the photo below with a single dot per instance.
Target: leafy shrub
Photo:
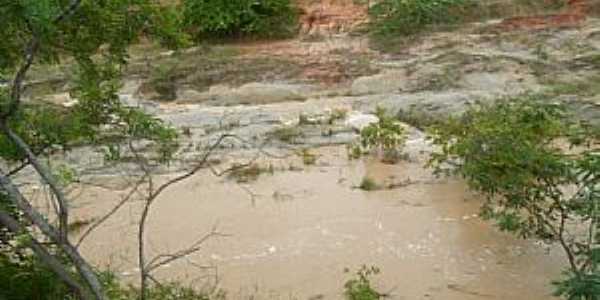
(368, 184)
(28, 279)
(540, 173)
(226, 18)
(387, 137)
(409, 17)
(359, 288)
(308, 158)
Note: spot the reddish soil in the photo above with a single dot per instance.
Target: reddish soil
(573, 16)
(323, 56)
(330, 16)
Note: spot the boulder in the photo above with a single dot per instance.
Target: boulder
(358, 121)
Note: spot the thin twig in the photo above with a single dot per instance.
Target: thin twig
(163, 259)
(114, 210)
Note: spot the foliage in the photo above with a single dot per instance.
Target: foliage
(409, 17)
(359, 287)
(368, 184)
(224, 18)
(29, 279)
(540, 173)
(106, 28)
(354, 151)
(308, 158)
(115, 24)
(243, 173)
(166, 291)
(387, 136)
(94, 36)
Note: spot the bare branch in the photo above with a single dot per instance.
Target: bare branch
(164, 259)
(114, 210)
(84, 269)
(201, 163)
(17, 84)
(146, 269)
(63, 213)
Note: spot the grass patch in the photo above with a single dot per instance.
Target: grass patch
(308, 158)
(586, 87)
(286, 134)
(337, 114)
(248, 173)
(368, 184)
(385, 138)
(360, 286)
(396, 22)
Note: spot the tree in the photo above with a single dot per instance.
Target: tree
(540, 174)
(225, 18)
(95, 35)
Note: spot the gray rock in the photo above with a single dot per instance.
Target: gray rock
(250, 94)
(388, 82)
(358, 121)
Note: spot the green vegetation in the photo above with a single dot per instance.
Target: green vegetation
(410, 17)
(360, 288)
(308, 158)
(368, 184)
(540, 173)
(248, 173)
(337, 115)
(386, 137)
(354, 151)
(225, 18)
(37, 259)
(585, 87)
(29, 279)
(25, 278)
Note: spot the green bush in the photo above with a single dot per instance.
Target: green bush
(386, 137)
(540, 175)
(409, 17)
(360, 288)
(27, 279)
(226, 18)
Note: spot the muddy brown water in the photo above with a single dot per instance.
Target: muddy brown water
(291, 235)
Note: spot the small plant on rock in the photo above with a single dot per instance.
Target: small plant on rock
(308, 158)
(386, 138)
(368, 184)
(288, 135)
(359, 287)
